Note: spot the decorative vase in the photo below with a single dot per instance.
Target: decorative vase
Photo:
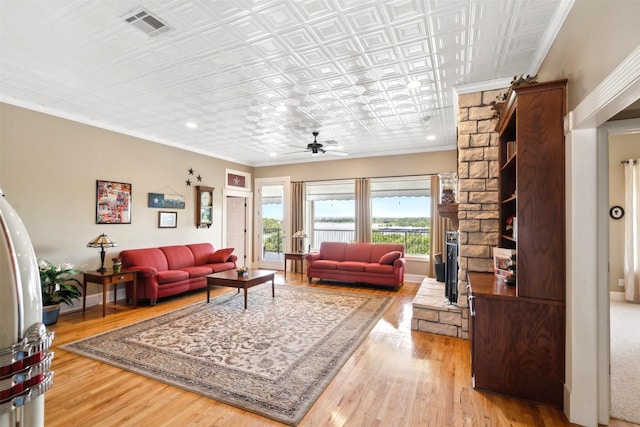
(117, 268)
(50, 314)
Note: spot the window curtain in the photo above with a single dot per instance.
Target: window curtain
(363, 210)
(297, 211)
(632, 231)
(437, 227)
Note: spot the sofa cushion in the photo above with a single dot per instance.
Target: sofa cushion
(326, 264)
(358, 251)
(149, 257)
(390, 257)
(201, 252)
(178, 257)
(222, 266)
(380, 249)
(332, 250)
(198, 271)
(351, 266)
(221, 255)
(168, 276)
(375, 267)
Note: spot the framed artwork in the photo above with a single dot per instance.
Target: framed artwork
(166, 201)
(113, 202)
(167, 219)
(238, 180)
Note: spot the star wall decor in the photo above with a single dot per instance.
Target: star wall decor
(192, 173)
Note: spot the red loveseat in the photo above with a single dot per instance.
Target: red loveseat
(374, 263)
(170, 270)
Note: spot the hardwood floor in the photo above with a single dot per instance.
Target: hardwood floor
(397, 377)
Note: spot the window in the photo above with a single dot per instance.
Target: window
(400, 212)
(331, 212)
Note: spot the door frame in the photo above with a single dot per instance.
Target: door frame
(285, 181)
(587, 335)
(248, 198)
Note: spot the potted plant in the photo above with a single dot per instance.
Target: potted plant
(57, 286)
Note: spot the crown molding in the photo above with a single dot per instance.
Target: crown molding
(550, 35)
(615, 93)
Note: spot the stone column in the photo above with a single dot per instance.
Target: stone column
(477, 187)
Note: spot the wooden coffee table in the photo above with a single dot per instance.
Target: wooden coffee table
(231, 279)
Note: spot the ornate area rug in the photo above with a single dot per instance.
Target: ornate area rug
(274, 359)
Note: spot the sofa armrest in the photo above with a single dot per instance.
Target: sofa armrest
(313, 257)
(146, 271)
(232, 258)
(400, 262)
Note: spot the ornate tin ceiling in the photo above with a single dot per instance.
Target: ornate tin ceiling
(258, 77)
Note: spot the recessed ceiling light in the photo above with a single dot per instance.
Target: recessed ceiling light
(192, 125)
(413, 84)
(431, 138)
(281, 108)
(273, 154)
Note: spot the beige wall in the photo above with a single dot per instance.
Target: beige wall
(621, 147)
(48, 173)
(49, 167)
(596, 37)
(402, 165)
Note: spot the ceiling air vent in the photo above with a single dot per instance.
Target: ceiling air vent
(145, 21)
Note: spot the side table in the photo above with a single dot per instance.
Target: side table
(298, 258)
(107, 279)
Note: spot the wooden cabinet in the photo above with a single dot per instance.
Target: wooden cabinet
(204, 198)
(518, 333)
(517, 343)
(532, 187)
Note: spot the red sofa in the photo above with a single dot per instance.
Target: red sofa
(374, 263)
(170, 270)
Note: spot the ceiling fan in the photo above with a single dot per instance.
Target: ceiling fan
(315, 147)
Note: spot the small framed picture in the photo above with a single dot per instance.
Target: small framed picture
(502, 261)
(167, 219)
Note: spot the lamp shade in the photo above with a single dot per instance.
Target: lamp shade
(102, 241)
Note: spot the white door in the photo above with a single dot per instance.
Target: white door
(272, 222)
(237, 227)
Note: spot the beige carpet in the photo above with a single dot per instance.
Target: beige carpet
(274, 359)
(625, 361)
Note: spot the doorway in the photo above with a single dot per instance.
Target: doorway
(272, 221)
(622, 141)
(237, 227)
(236, 221)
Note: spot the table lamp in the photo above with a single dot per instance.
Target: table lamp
(301, 235)
(102, 241)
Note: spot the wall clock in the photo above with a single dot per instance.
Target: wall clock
(204, 206)
(616, 212)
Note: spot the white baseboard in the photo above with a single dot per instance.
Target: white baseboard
(414, 278)
(616, 296)
(96, 299)
(93, 300)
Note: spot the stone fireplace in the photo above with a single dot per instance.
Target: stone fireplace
(477, 214)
